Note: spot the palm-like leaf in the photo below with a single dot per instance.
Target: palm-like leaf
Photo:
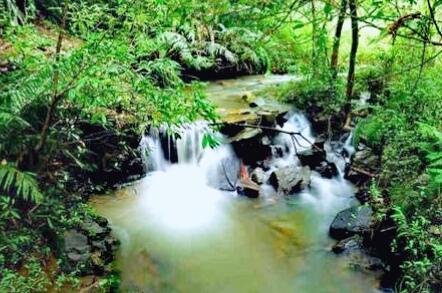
(22, 184)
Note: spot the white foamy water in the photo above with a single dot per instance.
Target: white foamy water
(181, 232)
(184, 196)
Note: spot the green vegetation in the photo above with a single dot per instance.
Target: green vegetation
(405, 128)
(81, 80)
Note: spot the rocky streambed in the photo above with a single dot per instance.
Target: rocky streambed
(261, 206)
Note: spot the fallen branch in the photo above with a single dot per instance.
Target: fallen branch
(369, 174)
(291, 133)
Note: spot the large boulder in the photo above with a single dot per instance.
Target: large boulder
(252, 150)
(288, 180)
(314, 156)
(224, 176)
(352, 221)
(246, 133)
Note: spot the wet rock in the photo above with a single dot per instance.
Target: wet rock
(94, 229)
(327, 169)
(266, 140)
(248, 97)
(258, 102)
(89, 249)
(259, 176)
(365, 158)
(75, 241)
(315, 158)
(227, 173)
(363, 194)
(76, 251)
(252, 150)
(78, 257)
(277, 151)
(348, 245)
(353, 250)
(312, 157)
(288, 180)
(354, 220)
(364, 162)
(249, 189)
(246, 133)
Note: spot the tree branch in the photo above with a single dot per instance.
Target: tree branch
(56, 96)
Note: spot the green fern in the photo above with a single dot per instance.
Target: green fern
(217, 50)
(433, 150)
(7, 118)
(22, 184)
(163, 72)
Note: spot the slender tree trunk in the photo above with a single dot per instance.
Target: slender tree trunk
(56, 96)
(337, 40)
(354, 47)
(314, 37)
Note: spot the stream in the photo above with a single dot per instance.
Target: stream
(184, 228)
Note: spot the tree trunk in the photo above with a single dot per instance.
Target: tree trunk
(354, 47)
(337, 40)
(56, 96)
(314, 38)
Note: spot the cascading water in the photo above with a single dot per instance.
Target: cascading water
(327, 196)
(183, 229)
(186, 195)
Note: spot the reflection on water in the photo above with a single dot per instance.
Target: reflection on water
(250, 246)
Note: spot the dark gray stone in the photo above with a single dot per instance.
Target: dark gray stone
(348, 245)
(327, 170)
(289, 180)
(75, 241)
(94, 229)
(89, 249)
(77, 257)
(227, 174)
(366, 160)
(358, 258)
(313, 157)
(352, 221)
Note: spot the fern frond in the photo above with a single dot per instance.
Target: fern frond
(174, 40)
(22, 184)
(217, 50)
(7, 118)
(163, 72)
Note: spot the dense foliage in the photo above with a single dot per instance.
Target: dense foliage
(74, 74)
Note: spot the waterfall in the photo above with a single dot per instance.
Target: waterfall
(189, 144)
(340, 152)
(152, 152)
(326, 195)
(296, 123)
(191, 186)
(186, 196)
